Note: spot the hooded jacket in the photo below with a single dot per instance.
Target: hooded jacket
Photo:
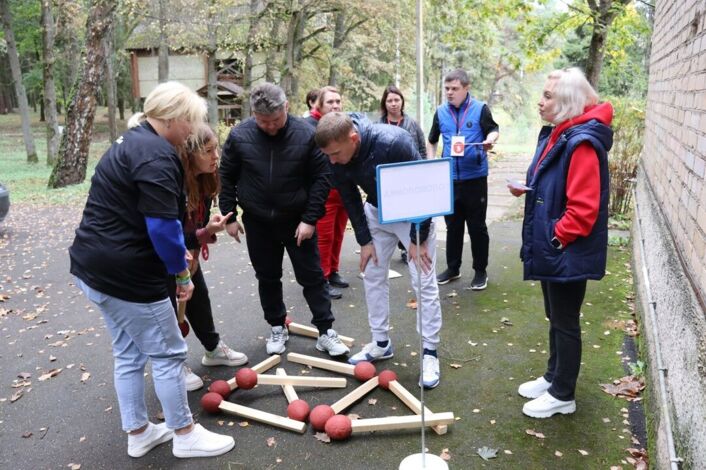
(569, 199)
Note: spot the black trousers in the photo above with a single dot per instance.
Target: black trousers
(470, 207)
(266, 244)
(562, 305)
(198, 310)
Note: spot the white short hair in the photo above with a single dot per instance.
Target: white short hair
(572, 93)
(172, 100)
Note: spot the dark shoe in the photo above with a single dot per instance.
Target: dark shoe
(333, 292)
(336, 280)
(447, 276)
(480, 281)
(403, 256)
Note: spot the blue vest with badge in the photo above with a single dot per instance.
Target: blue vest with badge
(465, 122)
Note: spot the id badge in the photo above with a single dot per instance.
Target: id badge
(458, 144)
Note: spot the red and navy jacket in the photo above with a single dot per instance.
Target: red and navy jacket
(569, 199)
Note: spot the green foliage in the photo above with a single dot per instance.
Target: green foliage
(628, 132)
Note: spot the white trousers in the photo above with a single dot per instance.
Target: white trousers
(377, 284)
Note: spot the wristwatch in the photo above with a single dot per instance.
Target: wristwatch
(556, 243)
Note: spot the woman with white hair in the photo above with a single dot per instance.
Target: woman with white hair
(565, 227)
(129, 238)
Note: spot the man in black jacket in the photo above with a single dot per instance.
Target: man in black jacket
(273, 170)
(356, 147)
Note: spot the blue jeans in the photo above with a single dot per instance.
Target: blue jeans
(140, 332)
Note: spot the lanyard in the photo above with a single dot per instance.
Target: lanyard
(398, 123)
(463, 118)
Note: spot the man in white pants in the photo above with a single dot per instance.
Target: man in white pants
(356, 147)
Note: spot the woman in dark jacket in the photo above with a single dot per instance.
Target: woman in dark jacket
(199, 157)
(565, 228)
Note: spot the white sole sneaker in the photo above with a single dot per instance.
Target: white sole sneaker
(158, 434)
(534, 388)
(546, 406)
(201, 443)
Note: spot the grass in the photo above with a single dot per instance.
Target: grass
(28, 182)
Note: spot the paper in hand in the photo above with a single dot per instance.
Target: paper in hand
(514, 184)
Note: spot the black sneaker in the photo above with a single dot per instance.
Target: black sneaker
(403, 256)
(333, 292)
(447, 276)
(336, 280)
(480, 281)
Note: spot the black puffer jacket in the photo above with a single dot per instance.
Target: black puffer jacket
(281, 177)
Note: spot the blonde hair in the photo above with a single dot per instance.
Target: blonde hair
(572, 93)
(198, 186)
(171, 100)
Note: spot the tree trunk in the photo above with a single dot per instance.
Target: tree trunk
(110, 84)
(295, 30)
(602, 13)
(163, 72)
(338, 35)
(73, 153)
(251, 48)
(17, 79)
(48, 32)
(212, 78)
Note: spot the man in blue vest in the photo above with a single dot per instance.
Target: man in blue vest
(468, 131)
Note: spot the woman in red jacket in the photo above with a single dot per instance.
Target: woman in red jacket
(565, 228)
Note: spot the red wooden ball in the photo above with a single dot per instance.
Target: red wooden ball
(319, 415)
(386, 377)
(364, 371)
(287, 320)
(211, 401)
(220, 387)
(299, 410)
(184, 328)
(246, 378)
(339, 428)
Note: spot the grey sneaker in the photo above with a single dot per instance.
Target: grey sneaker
(276, 343)
(430, 371)
(223, 356)
(372, 352)
(447, 276)
(193, 381)
(331, 343)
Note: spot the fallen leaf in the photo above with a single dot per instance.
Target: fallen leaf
(486, 453)
(271, 442)
(27, 434)
(322, 436)
(85, 376)
(508, 452)
(49, 375)
(353, 416)
(455, 366)
(17, 395)
(534, 433)
(24, 375)
(412, 303)
(445, 455)
(82, 438)
(583, 452)
(506, 321)
(74, 466)
(108, 409)
(52, 358)
(558, 454)
(372, 401)
(243, 424)
(451, 294)
(627, 387)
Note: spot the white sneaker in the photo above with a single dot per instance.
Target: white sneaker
(201, 443)
(372, 352)
(534, 388)
(193, 381)
(331, 343)
(546, 406)
(155, 434)
(430, 371)
(277, 342)
(223, 356)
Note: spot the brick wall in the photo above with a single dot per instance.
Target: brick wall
(675, 141)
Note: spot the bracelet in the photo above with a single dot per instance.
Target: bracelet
(183, 280)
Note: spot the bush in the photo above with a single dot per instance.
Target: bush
(628, 132)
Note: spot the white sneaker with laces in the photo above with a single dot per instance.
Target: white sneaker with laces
(193, 381)
(430, 371)
(155, 434)
(331, 343)
(546, 406)
(277, 342)
(223, 356)
(372, 352)
(534, 388)
(201, 443)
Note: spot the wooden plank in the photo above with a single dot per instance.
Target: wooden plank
(326, 382)
(392, 423)
(311, 332)
(288, 390)
(413, 404)
(261, 367)
(319, 363)
(263, 417)
(355, 395)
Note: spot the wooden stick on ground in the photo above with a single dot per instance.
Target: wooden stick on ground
(311, 332)
(392, 423)
(325, 382)
(326, 364)
(263, 417)
(355, 395)
(261, 367)
(413, 404)
(288, 390)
